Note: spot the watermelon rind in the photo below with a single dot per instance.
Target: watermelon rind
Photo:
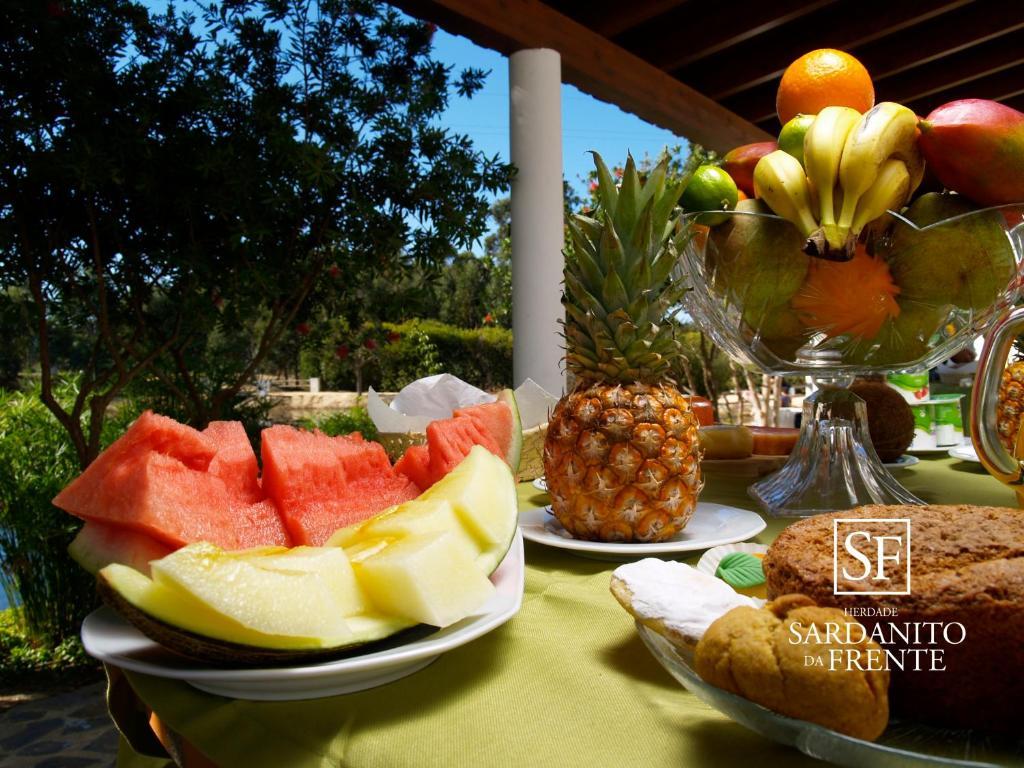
(514, 452)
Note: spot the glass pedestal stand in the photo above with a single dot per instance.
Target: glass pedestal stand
(834, 465)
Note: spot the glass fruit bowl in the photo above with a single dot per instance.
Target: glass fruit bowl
(920, 287)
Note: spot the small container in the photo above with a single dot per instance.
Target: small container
(949, 423)
(913, 386)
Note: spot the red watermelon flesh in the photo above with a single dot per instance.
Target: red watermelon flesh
(258, 525)
(415, 464)
(493, 419)
(321, 483)
(157, 495)
(360, 458)
(450, 441)
(234, 463)
(148, 433)
(495, 426)
(299, 467)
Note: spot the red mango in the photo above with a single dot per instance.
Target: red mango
(976, 147)
(739, 163)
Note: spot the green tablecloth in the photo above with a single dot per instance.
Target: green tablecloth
(567, 682)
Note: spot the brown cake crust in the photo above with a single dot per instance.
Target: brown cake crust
(967, 566)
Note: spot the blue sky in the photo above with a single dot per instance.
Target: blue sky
(586, 122)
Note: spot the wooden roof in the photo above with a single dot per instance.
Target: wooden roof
(709, 70)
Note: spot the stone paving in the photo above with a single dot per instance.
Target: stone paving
(68, 730)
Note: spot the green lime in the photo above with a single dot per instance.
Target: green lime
(710, 189)
(791, 138)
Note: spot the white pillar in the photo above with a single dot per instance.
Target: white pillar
(535, 121)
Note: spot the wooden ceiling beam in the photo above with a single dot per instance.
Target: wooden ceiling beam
(758, 103)
(729, 79)
(969, 64)
(1017, 102)
(944, 36)
(1004, 85)
(622, 17)
(593, 64)
(710, 28)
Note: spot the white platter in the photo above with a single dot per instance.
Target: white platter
(712, 524)
(936, 449)
(965, 453)
(111, 639)
(904, 461)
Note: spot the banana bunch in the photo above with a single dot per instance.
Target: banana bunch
(857, 167)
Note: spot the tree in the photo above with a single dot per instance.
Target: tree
(168, 177)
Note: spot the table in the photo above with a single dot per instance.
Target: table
(567, 682)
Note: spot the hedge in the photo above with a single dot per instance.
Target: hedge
(394, 354)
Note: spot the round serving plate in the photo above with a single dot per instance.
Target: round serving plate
(109, 638)
(712, 524)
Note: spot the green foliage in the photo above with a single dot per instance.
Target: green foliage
(14, 314)
(387, 356)
(22, 654)
(344, 423)
(188, 176)
(475, 290)
(479, 356)
(411, 356)
(36, 461)
(721, 373)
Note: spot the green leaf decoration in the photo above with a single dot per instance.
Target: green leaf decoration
(740, 570)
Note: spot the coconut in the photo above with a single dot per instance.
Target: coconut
(890, 420)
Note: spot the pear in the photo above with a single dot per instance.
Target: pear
(904, 338)
(967, 262)
(779, 328)
(756, 261)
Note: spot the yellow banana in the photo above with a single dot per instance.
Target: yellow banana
(886, 130)
(890, 191)
(823, 150)
(780, 182)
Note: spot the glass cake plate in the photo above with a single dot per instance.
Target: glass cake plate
(903, 745)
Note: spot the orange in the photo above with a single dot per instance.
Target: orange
(853, 297)
(823, 78)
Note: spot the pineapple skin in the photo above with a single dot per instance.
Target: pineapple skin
(622, 462)
(1010, 405)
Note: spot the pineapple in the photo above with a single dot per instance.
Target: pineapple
(1010, 405)
(621, 456)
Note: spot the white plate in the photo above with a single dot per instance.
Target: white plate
(937, 449)
(712, 524)
(904, 461)
(111, 639)
(541, 484)
(964, 453)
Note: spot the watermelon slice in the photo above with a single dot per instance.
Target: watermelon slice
(98, 545)
(495, 426)
(158, 495)
(156, 480)
(320, 483)
(234, 463)
(149, 433)
(415, 464)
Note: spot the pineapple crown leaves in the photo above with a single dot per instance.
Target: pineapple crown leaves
(618, 278)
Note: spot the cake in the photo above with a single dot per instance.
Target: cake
(966, 589)
(751, 652)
